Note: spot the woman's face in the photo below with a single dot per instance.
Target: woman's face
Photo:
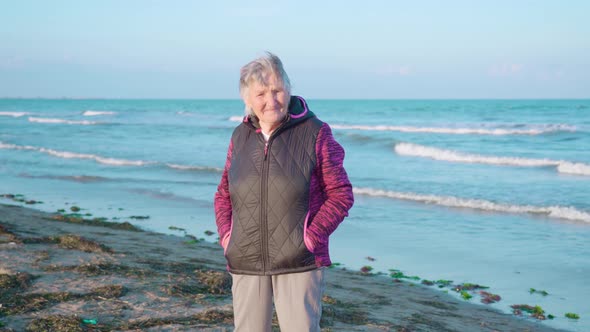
(269, 102)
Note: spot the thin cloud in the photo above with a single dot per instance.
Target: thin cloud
(505, 70)
(254, 12)
(10, 62)
(403, 70)
(551, 75)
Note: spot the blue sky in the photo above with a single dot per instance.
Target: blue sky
(331, 49)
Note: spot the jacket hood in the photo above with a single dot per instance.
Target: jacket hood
(297, 113)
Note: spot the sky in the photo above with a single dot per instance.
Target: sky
(330, 49)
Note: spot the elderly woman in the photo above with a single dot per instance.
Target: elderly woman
(282, 193)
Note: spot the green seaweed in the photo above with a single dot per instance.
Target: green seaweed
(191, 242)
(536, 311)
(20, 198)
(444, 283)
(397, 274)
(174, 228)
(542, 292)
(572, 315)
(465, 295)
(77, 219)
(468, 286)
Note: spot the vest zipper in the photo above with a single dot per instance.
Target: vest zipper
(263, 204)
(263, 214)
(264, 198)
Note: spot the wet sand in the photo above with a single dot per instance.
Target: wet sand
(74, 275)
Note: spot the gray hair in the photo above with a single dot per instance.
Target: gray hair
(258, 70)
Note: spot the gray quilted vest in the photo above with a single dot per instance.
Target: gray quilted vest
(269, 185)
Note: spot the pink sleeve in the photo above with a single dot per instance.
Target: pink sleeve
(334, 184)
(222, 202)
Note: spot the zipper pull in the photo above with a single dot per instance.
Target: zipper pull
(265, 150)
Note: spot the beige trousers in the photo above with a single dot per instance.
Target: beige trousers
(297, 299)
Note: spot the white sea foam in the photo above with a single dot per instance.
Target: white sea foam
(574, 168)
(13, 114)
(560, 212)
(416, 150)
(95, 113)
(236, 118)
(102, 160)
(462, 131)
(50, 120)
(74, 155)
(409, 149)
(105, 160)
(9, 146)
(194, 168)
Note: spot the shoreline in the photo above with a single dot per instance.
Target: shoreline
(103, 278)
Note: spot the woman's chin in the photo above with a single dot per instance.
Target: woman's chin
(273, 117)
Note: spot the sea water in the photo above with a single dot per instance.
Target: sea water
(492, 192)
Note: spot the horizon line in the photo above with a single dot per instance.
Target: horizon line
(322, 98)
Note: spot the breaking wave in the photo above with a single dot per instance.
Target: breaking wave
(71, 122)
(107, 160)
(559, 212)
(74, 178)
(416, 150)
(95, 113)
(14, 114)
(536, 130)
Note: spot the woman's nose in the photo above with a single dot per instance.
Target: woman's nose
(272, 99)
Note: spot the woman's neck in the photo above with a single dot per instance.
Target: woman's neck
(268, 128)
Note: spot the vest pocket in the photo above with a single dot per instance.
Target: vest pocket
(225, 241)
(306, 239)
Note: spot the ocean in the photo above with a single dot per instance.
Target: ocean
(490, 192)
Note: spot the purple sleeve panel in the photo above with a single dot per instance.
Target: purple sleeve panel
(331, 192)
(222, 202)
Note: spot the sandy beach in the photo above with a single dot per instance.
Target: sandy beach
(85, 275)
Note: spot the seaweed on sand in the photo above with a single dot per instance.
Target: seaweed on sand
(102, 222)
(536, 311)
(18, 281)
(57, 323)
(97, 269)
(217, 282)
(209, 317)
(488, 298)
(21, 303)
(397, 274)
(72, 241)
